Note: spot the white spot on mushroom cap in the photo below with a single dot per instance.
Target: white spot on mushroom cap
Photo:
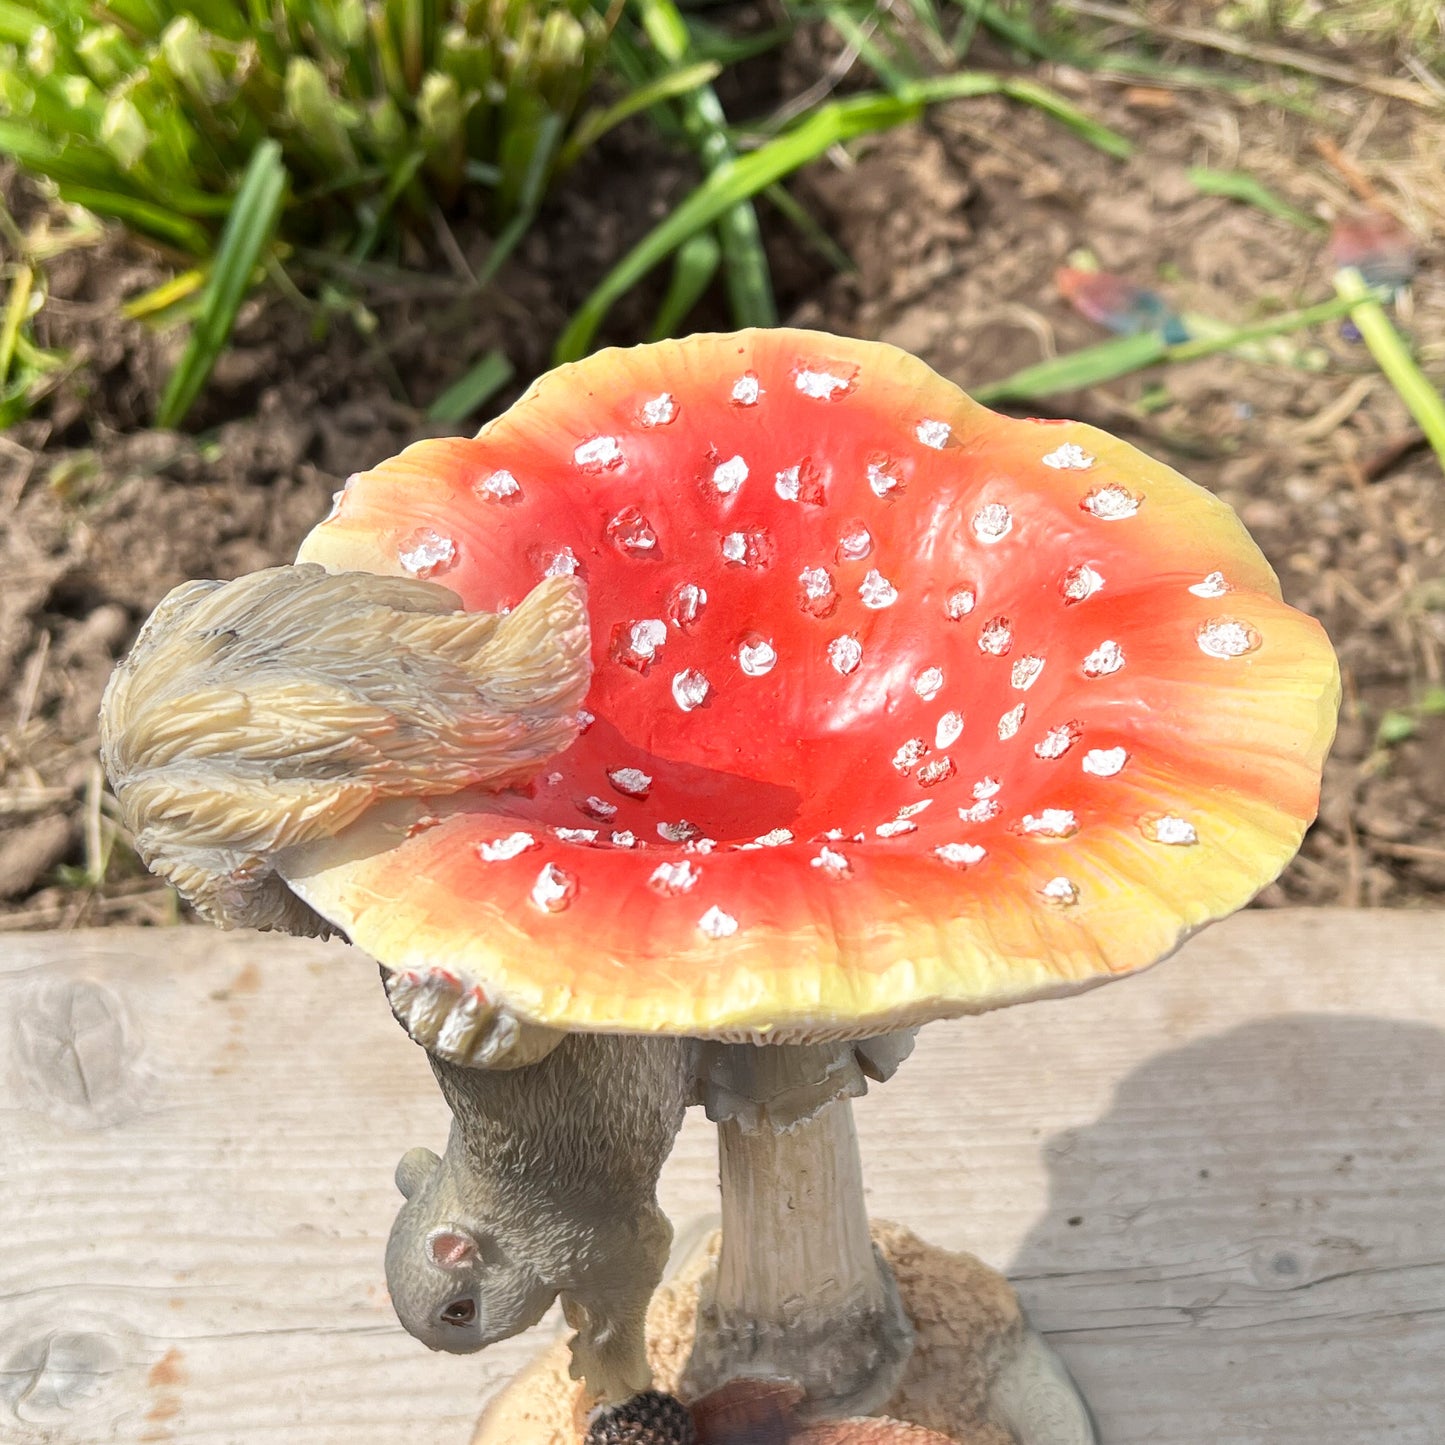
(1069, 458)
(1011, 722)
(1111, 503)
(659, 410)
(819, 590)
(646, 637)
(881, 480)
(424, 552)
(832, 862)
(690, 689)
(961, 601)
(598, 453)
(1106, 658)
(987, 788)
(788, 484)
(630, 531)
(961, 855)
(744, 549)
(912, 810)
(747, 389)
(498, 486)
(674, 878)
(1105, 762)
(1080, 583)
(679, 832)
(896, 828)
(910, 753)
(1057, 741)
(1169, 828)
(1025, 672)
(949, 730)
(632, 781)
(576, 835)
(685, 604)
(774, 838)
(599, 807)
(717, 924)
(554, 889)
(728, 476)
(501, 850)
(855, 542)
(980, 812)
(1213, 585)
(876, 591)
(933, 434)
(1226, 637)
(845, 653)
(996, 638)
(625, 838)
(562, 564)
(1051, 823)
(1061, 890)
(935, 771)
(585, 719)
(992, 523)
(757, 658)
(928, 683)
(821, 385)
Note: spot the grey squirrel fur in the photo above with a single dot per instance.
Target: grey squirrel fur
(548, 1188)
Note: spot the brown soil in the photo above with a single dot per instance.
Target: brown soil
(957, 226)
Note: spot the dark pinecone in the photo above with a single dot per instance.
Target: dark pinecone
(650, 1418)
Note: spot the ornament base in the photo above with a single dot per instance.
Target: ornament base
(979, 1374)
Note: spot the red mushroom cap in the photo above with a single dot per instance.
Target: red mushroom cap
(901, 708)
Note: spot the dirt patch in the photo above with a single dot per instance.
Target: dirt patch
(957, 227)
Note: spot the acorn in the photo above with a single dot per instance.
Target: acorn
(650, 1418)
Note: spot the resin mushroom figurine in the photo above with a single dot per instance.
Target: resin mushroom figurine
(900, 710)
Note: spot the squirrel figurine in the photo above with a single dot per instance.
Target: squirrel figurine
(548, 1188)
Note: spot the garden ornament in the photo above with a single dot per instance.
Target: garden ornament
(898, 710)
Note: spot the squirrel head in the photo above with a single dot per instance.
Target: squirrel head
(454, 1283)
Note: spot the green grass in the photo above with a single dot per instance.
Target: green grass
(234, 133)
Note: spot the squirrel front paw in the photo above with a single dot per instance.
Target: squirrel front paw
(451, 1016)
(609, 1356)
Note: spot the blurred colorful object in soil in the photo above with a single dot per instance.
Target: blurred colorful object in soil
(1124, 306)
(1377, 245)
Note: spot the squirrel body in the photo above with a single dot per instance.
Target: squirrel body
(547, 1189)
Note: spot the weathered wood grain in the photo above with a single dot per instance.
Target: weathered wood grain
(1220, 1187)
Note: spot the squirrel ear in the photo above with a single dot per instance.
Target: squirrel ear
(414, 1170)
(450, 1248)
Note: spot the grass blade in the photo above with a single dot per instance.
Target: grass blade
(1241, 186)
(473, 389)
(742, 178)
(693, 268)
(749, 281)
(1393, 358)
(249, 230)
(597, 122)
(17, 308)
(1109, 360)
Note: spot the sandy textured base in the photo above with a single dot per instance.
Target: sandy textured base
(966, 1316)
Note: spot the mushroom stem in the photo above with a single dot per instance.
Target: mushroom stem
(800, 1291)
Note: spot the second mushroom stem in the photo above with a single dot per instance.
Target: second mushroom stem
(800, 1291)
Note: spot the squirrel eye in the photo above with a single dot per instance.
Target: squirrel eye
(460, 1312)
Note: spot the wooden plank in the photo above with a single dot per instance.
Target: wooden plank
(1218, 1186)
